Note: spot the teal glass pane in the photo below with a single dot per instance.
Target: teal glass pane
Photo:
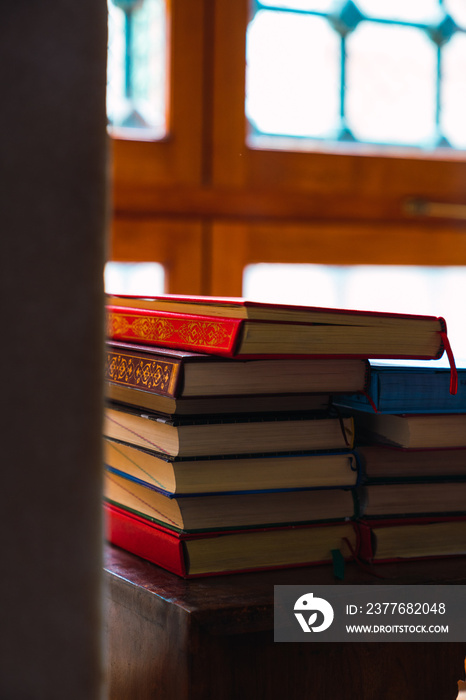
(391, 85)
(402, 10)
(453, 112)
(137, 66)
(309, 5)
(457, 10)
(292, 78)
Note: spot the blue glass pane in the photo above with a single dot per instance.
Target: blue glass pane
(414, 11)
(457, 9)
(292, 75)
(391, 79)
(309, 5)
(136, 72)
(453, 111)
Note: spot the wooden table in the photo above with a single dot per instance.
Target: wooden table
(212, 638)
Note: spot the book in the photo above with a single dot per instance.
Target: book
(175, 381)
(236, 473)
(382, 463)
(236, 434)
(239, 307)
(195, 512)
(398, 389)
(209, 405)
(414, 431)
(202, 554)
(388, 540)
(404, 499)
(241, 328)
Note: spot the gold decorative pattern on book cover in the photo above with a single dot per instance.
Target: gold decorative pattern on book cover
(196, 333)
(142, 373)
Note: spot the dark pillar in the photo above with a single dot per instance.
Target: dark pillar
(52, 222)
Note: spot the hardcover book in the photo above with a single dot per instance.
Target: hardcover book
(210, 405)
(175, 381)
(397, 389)
(226, 435)
(236, 473)
(389, 540)
(204, 554)
(414, 431)
(382, 463)
(408, 499)
(240, 328)
(193, 512)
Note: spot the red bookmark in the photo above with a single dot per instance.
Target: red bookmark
(451, 360)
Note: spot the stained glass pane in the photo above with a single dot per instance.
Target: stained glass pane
(313, 5)
(453, 116)
(292, 76)
(136, 73)
(457, 9)
(413, 11)
(391, 79)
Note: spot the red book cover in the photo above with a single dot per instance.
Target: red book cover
(201, 333)
(148, 540)
(170, 549)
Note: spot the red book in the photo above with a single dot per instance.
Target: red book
(387, 540)
(246, 329)
(233, 551)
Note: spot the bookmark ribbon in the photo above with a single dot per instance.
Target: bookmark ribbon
(451, 360)
(338, 562)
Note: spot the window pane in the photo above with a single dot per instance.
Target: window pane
(134, 278)
(391, 92)
(453, 114)
(292, 77)
(413, 11)
(136, 72)
(315, 5)
(439, 291)
(457, 9)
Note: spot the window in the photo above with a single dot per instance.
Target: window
(134, 278)
(437, 291)
(206, 203)
(369, 71)
(137, 68)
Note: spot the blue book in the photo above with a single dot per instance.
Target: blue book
(408, 389)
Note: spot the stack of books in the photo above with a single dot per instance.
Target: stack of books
(412, 446)
(223, 450)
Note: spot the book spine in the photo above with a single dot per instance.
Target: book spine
(207, 334)
(159, 547)
(153, 374)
